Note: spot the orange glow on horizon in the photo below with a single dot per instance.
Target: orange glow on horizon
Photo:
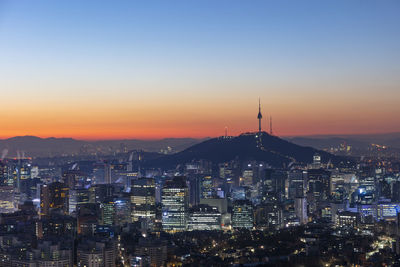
(115, 117)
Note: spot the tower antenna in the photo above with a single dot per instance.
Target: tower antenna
(270, 125)
(259, 116)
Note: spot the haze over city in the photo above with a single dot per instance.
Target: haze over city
(100, 70)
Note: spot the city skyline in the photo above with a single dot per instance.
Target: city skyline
(199, 133)
(97, 70)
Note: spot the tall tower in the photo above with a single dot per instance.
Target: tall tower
(259, 116)
(270, 125)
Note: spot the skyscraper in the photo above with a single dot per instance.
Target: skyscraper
(143, 199)
(175, 204)
(108, 211)
(54, 196)
(242, 216)
(204, 217)
(206, 186)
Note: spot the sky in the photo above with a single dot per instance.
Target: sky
(155, 69)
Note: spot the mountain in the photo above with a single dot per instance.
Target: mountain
(33, 146)
(275, 151)
(362, 141)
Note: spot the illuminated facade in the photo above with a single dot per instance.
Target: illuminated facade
(108, 212)
(242, 216)
(204, 217)
(175, 204)
(54, 196)
(143, 199)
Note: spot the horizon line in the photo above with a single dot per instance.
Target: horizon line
(198, 137)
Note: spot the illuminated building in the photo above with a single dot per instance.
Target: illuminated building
(247, 178)
(76, 197)
(316, 161)
(238, 193)
(269, 215)
(242, 214)
(296, 184)
(108, 212)
(273, 184)
(143, 199)
(96, 254)
(72, 177)
(3, 173)
(347, 219)
(319, 184)
(206, 187)
(8, 199)
(107, 174)
(175, 203)
(196, 189)
(55, 225)
(46, 254)
(220, 203)
(368, 183)
(20, 170)
(100, 192)
(122, 211)
(301, 209)
(204, 217)
(153, 249)
(54, 196)
(387, 211)
(88, 216)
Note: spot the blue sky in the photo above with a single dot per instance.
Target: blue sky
(213, 54)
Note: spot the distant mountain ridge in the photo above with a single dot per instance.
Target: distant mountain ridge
(275, 151)
(357, 141)
(34, 146)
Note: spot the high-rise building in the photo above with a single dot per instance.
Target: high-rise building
(204, 217)
(9, 199)
(122, 210)
(206, 187)
(247, 178)
(107, 174)
(242, 215)
(273, 184)
(76, 197)
(108, 212)
(100, 192)
(143, 199)
(316, 161)
(72, 178)
(296, 184)
(196, 189)
(175, 204)
(319, 184)
(269, 215)
(3, 173)
(347, 219)
(54, 196)
(88, 216)
(301, 209)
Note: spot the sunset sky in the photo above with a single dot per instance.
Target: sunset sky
(154, 69)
